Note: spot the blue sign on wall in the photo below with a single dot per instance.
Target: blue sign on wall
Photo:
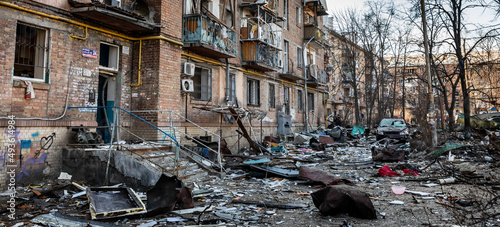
(89, 53)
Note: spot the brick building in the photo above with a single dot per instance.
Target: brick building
(66, 64)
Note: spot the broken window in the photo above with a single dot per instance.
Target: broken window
(31, 52)
(300, 102)
(272, 97)
(310, 101)
(299, 57)
(109, 57)
(253, 92)
(232, 88)
(286, 91)
(202, 82)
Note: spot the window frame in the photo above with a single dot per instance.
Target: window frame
(310, 101)
(232, 88)
(286, 54)
(46, 52)
(109, 58)
(253, 92)
(272, 96)
(285, 14)
(198, 86)
(287, 99)
(299, 57)
(298, 15)
(300, 100)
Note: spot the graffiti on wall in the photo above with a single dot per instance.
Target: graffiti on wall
(31, 155)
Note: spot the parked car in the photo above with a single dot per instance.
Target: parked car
(392, 128)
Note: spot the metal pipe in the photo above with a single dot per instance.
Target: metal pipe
(139, 80)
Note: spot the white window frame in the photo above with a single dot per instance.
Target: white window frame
(286, 44)
(298, 15)
(300, 59)
(110, 59)
(45, 56)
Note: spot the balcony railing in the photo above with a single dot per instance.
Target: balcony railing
(255, 29)
(259, 56)
(207, 36)
(290, 72)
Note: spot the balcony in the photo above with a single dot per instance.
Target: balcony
(291, 73)
(254, 29)
(206, 36)
(318, 6)
(259, 56)
(317, 78)
(319, 40)
(110, 14)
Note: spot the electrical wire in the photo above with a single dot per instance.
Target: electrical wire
(65, 108)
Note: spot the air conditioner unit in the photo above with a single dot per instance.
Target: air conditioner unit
(187, 85)
(188, 68)
(313, 71)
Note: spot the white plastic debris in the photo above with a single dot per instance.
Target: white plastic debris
(64, 176)
(397, 202)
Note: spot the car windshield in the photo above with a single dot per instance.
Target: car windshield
(392, 123)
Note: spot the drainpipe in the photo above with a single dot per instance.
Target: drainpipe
(305, 82)
(139, 79)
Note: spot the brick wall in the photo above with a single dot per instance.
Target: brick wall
(33, 163)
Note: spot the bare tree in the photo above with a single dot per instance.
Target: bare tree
(451, 15)
(351, 58)
(379, 18)
(484, 67)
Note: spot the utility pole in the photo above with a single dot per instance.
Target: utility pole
(430, 92)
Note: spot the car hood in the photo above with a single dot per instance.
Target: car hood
(389, 128)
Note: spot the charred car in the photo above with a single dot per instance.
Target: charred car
(392, 128)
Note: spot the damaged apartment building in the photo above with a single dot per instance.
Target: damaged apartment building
(82, 71)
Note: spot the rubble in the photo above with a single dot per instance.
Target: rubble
(299, 181)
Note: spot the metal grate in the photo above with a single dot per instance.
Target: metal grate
(30, 53)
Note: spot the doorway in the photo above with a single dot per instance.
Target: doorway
(105, 103)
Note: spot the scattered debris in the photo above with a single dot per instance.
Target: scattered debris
(112, 202)
(317, 175)
(167, 193)
(334, 200)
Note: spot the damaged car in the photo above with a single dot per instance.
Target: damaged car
(392, 128)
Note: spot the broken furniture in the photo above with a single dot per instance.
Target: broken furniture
(113, 202)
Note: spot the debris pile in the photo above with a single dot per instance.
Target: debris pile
(333, 177)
